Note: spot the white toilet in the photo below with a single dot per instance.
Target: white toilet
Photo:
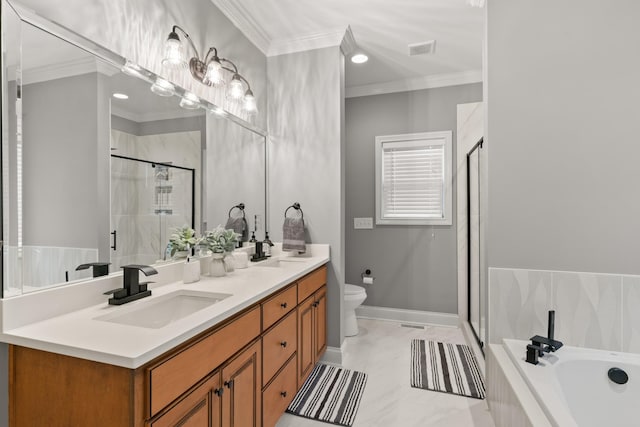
(353, 297)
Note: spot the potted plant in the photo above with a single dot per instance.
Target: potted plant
(182, 240)
(221, 242)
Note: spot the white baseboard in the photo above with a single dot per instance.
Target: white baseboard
(332, 356)
(409, 316)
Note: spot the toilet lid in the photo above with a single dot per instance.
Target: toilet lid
(352, 289)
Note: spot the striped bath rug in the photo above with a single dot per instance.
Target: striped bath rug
(449, 368)
(330, 394)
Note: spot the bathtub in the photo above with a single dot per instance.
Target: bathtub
(573, 389)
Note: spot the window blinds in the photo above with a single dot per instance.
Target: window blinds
(413, 179)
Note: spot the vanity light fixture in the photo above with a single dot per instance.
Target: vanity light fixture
(189, 101)
(120, 96)
(359, 58)
(163, 88)
(213, 70)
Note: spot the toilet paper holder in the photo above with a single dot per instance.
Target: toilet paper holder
(367, 275)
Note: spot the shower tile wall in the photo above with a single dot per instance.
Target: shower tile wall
(592, 310)
(142, 233)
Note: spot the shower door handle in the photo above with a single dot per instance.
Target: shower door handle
(114, 233)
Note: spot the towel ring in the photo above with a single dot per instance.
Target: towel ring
(240, 207)
(297, 207)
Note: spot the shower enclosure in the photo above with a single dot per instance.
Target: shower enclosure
(148, 200)
(476, 292)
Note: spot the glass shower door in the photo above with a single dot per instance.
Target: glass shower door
(148, 201)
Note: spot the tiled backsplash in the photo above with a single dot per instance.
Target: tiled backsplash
(592, 310)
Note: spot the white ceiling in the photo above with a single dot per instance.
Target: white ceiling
(381, 28)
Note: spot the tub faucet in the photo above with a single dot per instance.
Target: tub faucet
(541, 345)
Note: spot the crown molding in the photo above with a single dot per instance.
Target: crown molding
(328, 38)
(418, 83)
(348, 44)
(154, 116)
(244, 21)
(67, 69)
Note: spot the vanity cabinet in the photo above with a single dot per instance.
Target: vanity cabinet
(312, 319)
(243, 372)
(200, 408)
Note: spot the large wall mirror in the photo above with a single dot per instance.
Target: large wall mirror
(98, 168)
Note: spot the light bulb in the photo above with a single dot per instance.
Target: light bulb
(250, 105)
(214, 75)
(236, 91)
(189, 101)
(162, 87)
(173, 52)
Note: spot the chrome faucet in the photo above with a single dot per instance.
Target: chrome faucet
(541, 345)
(132, 288)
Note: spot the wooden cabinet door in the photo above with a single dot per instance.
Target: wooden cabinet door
(320, 323)
(242, 384)
(200, 408)
(305, 339)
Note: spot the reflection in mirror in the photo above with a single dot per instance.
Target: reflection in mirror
(91, 176)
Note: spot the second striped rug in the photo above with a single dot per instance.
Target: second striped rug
(449, 368)
(330, 394)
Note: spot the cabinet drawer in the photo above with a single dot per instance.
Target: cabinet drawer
(177, 374)
(278, 345)
(274, 308)
(311, 283)
(279, 394)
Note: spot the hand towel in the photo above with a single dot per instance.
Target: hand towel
(293, 235)
(240, 226)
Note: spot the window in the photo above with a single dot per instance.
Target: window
(413, 179)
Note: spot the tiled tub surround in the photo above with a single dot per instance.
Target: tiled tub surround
(592, 310)
(65, 322)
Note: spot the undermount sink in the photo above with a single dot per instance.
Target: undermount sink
(163, 310)
(279, 262)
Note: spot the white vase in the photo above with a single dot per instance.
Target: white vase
(180, 254)
(229, 262)
(216, 268)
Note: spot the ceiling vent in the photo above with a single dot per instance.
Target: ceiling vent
(422, 48)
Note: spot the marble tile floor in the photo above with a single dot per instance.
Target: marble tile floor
(382, 350)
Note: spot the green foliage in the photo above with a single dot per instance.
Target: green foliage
(220, 240)
(183, 239)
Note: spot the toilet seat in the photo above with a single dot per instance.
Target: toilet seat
(353, 289)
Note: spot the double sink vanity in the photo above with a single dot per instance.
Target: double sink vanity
(229, 351)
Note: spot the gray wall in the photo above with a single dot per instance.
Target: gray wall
(563, 128)
(306, 160)
(60, 190)
(414, 266)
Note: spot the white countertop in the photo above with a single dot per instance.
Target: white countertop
(78, 334)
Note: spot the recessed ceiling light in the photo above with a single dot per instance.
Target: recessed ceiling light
(476, 3)
(359, 58)
(120, 96)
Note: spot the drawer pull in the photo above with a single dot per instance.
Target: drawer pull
(228, 384)
(218, 391)
(283, 305)
(283, 393)
(283, 344)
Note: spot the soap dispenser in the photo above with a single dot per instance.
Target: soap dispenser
(267, 244)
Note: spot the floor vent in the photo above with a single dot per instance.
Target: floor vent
(404, 325)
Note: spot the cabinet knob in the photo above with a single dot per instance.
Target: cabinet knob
(283, 344)
(283, 305)
(315, 304)
(228, 384)
(283, 393)
(218, 391)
